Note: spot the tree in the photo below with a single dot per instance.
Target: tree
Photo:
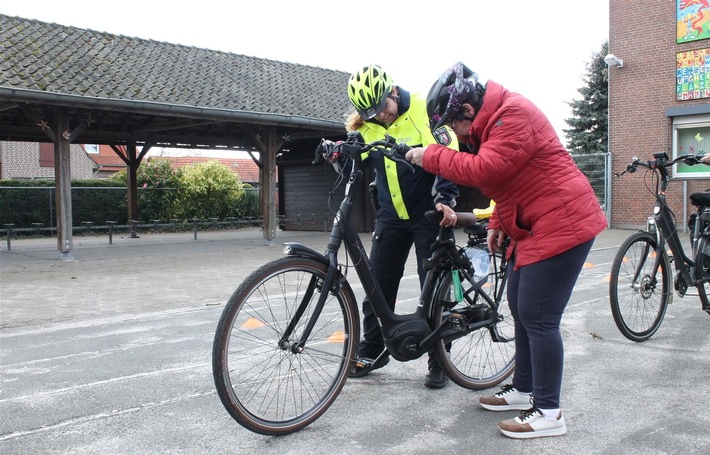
(157, 184)
(588, 131)
(209, 190)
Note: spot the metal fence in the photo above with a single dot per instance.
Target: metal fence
(32, 210)
(39, 217)
(597, 168)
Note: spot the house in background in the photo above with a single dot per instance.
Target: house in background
(32, 160)
(245, 168)
(28, 160)
(106, 162)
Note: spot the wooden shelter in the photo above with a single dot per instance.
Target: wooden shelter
(68, 85)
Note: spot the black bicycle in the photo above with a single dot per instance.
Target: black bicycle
(641, 282)
(288, 336)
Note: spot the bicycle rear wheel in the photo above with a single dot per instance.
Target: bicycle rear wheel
(265, 381)
(485, 357)
(638, 297)
(702, 263)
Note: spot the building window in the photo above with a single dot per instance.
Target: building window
(691, 135)
(91, 148)
(46, 154)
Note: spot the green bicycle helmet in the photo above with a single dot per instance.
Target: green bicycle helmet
(368, 89)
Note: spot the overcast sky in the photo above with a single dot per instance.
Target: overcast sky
(539, 48)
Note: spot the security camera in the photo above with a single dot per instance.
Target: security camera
(613, 60)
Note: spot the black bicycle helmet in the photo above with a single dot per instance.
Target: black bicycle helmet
(457, 85)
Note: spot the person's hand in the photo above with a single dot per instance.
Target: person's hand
(495, 239)
(415, 155)
(705, 159)
(449, 219)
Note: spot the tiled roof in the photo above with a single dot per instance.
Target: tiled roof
(61, 65)
(245, 168)
(107, 161)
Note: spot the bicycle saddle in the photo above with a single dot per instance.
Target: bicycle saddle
(700, 199)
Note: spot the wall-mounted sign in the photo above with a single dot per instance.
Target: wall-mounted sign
(692, 20)
(693, 74)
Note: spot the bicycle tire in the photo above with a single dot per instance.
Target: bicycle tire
(267, 386)
(702, 264)
(476, 361)
(638, 306)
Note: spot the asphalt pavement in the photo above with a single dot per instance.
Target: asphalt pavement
(109, 352)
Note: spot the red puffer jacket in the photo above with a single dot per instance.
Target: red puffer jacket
(543, 201)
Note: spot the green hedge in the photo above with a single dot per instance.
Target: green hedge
(23, 202)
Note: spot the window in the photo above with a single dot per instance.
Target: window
(691, 135)
(46, 154)
(91, 148)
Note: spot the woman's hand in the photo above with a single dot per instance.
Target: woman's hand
(415, 155)
(495, 239)
(705, 159)
(449, 219)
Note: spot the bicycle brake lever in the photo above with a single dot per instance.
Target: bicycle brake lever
(397, 153)
(692, 160)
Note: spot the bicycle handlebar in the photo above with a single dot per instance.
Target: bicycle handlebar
(464, 219)
(660, 164)
(354, 146)
(661, 161)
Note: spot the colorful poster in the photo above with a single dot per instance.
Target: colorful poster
(693, 74)
(692, 20)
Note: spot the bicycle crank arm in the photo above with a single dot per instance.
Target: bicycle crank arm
(453, 327)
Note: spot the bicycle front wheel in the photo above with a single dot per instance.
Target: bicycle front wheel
(267, 381)
(638, 296)
(485, 357)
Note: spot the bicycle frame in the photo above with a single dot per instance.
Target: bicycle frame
(667, 233)
(407, 336)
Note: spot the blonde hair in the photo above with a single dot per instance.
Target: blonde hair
(354, 121)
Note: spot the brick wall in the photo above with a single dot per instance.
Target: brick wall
(643, 34)
(21, 160)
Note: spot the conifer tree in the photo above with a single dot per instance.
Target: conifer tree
(588, 125)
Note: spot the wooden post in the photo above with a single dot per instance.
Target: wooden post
(268, 189)
(131, 173)
(62, 176)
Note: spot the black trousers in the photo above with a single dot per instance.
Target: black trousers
(391, 244)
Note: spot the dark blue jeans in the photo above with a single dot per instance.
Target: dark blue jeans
(538, 294)
(390, 248)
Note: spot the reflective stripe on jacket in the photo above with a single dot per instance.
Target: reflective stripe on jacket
(401, 193)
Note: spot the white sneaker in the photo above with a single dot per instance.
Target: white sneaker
(508, 399)
(533, 424)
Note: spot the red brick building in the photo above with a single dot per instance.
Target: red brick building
(658, 100)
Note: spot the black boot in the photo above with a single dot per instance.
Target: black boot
(435, 378)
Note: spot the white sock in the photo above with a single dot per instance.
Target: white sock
(551, 413)
(525, 394)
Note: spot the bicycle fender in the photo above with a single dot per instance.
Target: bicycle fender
(297, 249)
